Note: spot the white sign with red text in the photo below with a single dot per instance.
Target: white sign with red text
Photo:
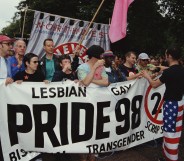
(63, 32)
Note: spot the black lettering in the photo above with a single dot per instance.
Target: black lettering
(12, 156)
(109, 146)
(52, 91)
(101, 120)
(123, 117)
(64, 123)
(18, 155)
(66, 92)
(24, 152)
(114, 90)
(102, 148)
(120, 143)
(115, 144)
(60, 91)
(128, 87)
(142, 134)
(89, 148)
(136, 109)
(148, 123)
(75, 122)
(158, 97)
(33, 93)
(72, 92)
(43, 91)
(82, 91)
(13, 128)
(122, 90)
(95, 148)
(48, 127)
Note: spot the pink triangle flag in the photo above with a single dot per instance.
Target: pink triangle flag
(118, 25)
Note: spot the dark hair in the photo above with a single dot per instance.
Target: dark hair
(49, 39)
(174, 52)
(95, 51)
(129, 53)
(64, 56)
(28, 57)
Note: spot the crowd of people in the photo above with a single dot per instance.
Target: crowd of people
(102, 69)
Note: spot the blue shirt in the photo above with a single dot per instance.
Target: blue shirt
(14, 68)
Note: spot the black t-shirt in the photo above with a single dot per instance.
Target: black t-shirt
(127, 70)
(60, 75)
(36, 77)
(173, 77)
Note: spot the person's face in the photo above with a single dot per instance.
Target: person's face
(33, 64)
(65, 62)
(131, 59)
(153, 61)
(117, 61)
(108, 61)
(20, 47)
(5, 47)
(49, 47)
(144, 62)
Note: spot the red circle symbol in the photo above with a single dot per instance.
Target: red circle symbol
(153, 118)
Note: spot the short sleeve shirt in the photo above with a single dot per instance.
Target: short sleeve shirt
(84, 69)
(173, 77)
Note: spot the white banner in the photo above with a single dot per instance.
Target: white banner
(62, 116)
(65, 32)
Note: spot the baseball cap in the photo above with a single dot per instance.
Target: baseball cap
(108, 53)
(5, 38)
(143, 56)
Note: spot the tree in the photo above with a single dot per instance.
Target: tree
(173, 11)
(148, 29)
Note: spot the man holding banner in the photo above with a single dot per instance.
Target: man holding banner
(173, 78)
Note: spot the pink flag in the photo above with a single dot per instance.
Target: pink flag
(118, 25)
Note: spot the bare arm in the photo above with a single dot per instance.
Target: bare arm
(138, 75)
(154, 83)
(89, 78)
(101, 82)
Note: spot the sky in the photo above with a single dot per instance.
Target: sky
(7, 11)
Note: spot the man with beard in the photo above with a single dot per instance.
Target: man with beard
(173, 78)
(5, 47)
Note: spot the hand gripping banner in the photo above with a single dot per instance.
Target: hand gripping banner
(63, 116)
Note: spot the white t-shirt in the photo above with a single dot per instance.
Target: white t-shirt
(3, 68)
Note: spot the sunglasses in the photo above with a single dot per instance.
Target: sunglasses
(145, 59)
(7, 43)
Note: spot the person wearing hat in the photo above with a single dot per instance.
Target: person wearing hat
(5, 47)
(143, 63)
(93, 71)
(113, 72)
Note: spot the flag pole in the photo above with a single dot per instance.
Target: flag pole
(24, 21)
(77, 48)
(87, 30)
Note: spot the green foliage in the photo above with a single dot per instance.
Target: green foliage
(153, 25)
